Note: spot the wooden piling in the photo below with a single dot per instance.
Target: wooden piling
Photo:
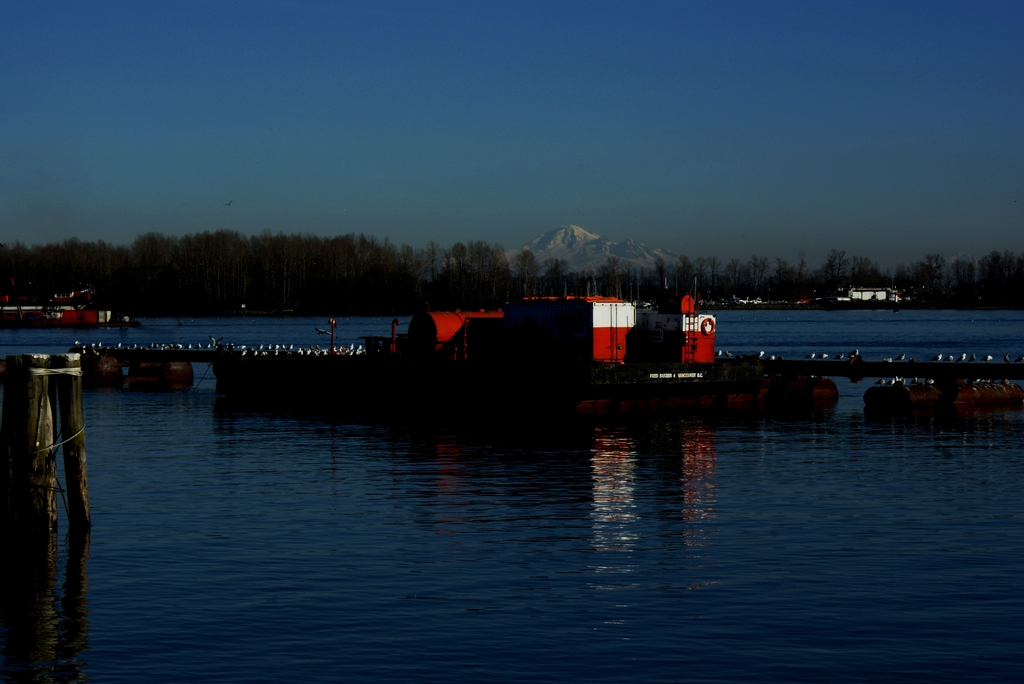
(37, 385)
(33, 493)
(72, 429)
(13, 423)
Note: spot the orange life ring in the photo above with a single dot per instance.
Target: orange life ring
(707, 326)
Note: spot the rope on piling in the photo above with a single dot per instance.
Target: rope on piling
(54, 447)
(53, 455)
(54, 371)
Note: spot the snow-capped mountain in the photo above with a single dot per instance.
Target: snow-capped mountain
(581, 249)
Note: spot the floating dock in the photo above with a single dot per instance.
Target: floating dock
(578, 354)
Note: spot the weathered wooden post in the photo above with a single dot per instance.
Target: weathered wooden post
(33, 493)
(72, 430)
(13, 421)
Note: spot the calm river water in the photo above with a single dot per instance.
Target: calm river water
(242, 545)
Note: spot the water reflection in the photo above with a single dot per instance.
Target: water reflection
(449, 482)
(612, 468)
(697, 481)
(45, 629)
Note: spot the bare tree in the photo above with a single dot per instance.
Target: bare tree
(714, 265)
(700, 270)
(526, 270)
(609, 276)
(733, 276)
(684, 274)
(964, 272)
(834, 268)
(660, 269)
(783, 272)
(932, 272)
(757, 269)
(864, 272)
(555, 272)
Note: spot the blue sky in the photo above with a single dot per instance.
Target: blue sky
(729, 128)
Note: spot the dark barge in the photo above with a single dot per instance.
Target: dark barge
(578, 354)
(583, 355)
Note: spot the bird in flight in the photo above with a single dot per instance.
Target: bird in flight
(229, 203)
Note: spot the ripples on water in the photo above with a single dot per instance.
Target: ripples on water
(235, 544)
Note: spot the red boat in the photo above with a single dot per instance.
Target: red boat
(75, 309)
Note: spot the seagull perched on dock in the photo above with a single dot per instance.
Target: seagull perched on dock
(728, 353)
(937, 357)
(760, 355)
(855, 352)
(881, 381)
(718, 353)
(986, 358)
(973, 357)
(839, 356)
(949, 358)
(1018, 359)
(1006, 358)
(812, 355)
(215, 340)
(887, 359)
(961, 358)
(901, 357)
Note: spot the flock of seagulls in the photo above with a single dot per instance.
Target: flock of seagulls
(856, 353)
(218, 343)
(760, 355)
(354, 350)
(974, 357)
(898, 380)
(311, 350)
(96, 346)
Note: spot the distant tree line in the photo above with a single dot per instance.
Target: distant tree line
(224, 272)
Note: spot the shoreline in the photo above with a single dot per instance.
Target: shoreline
(773, 306)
